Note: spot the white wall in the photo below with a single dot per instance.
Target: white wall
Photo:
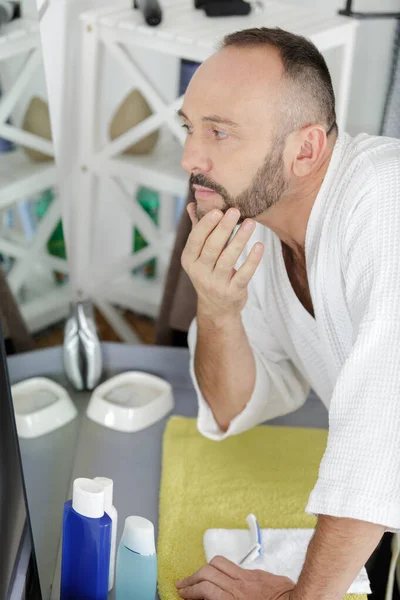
(372, 62)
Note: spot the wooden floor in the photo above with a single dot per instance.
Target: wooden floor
(143, 326)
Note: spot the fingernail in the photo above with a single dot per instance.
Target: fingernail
(215, 215)
(233, 215)
(248, 225)
(258, 248)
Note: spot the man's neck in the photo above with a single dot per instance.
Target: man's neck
(289, 218)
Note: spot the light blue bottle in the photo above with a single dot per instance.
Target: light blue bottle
(136, 572)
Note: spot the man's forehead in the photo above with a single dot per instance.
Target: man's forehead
(257, 68)
(233, 83)
(216, 105)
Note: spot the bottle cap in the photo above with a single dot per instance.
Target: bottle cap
(108, 486)
(138, 536)
(88, 498)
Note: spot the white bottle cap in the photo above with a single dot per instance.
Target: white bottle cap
(88, 498)
(138, 535)
(108, 486)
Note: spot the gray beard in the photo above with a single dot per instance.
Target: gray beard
(265, 190)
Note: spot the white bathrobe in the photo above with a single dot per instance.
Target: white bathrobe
(350, 353)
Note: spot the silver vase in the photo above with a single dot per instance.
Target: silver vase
(82, 351)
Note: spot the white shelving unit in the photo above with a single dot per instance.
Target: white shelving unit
(31, 274)
(184, 33)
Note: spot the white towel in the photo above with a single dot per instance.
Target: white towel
(284, 552)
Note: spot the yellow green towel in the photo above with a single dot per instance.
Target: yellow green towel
(268, 471)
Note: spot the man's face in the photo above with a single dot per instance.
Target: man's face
(232, 152)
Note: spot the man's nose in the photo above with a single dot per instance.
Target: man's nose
(195, 159)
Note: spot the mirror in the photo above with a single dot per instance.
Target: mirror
(15, 525)
(107, 114)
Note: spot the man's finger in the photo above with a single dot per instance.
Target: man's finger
(218, 239)
(208, 573)
(234, 249)
(226, 567)
(205, 591)
(199, 234)
(198, 576)
(191, 210)
(243, 275)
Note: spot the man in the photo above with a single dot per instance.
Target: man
(306, 293)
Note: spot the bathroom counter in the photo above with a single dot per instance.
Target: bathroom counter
(85, 449)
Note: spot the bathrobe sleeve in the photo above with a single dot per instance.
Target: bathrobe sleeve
(359, 475)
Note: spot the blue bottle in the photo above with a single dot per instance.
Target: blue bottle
(86, 544)
(136, 573)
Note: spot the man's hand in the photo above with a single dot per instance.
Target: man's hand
(224, 362)
(223, 580)
(210, 262)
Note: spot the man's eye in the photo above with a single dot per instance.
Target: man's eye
(219, 135)
(187, 127)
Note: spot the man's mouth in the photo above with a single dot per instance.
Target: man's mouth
(202, 192)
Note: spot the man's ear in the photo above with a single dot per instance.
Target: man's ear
(308, 147)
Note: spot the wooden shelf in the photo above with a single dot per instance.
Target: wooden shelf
(44, 302)
(138, 294)
(18, 37)
(189, 33)
(160, 169)
(45, 307)
(20, 177)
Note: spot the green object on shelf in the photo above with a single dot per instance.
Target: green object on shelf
(43, 202)
(56, 243)
(149, 200)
